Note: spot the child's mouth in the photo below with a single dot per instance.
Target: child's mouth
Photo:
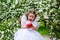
(30, 19)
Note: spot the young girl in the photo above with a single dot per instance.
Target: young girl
(29, 27)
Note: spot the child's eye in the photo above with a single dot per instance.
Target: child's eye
(30, 16)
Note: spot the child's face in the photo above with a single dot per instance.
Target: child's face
(31, 17)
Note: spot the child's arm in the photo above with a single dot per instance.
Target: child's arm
(35, 28)
(23, 21)
(36, 25)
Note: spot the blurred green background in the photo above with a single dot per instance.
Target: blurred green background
(12, 10)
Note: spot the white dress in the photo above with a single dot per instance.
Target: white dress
(27, 33)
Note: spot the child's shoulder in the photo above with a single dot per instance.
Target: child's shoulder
(23, 17)
(38, 17)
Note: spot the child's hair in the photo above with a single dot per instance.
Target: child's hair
(31, 11)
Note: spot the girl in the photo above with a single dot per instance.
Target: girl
(29, 27)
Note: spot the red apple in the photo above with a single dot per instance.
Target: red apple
(29, 25)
